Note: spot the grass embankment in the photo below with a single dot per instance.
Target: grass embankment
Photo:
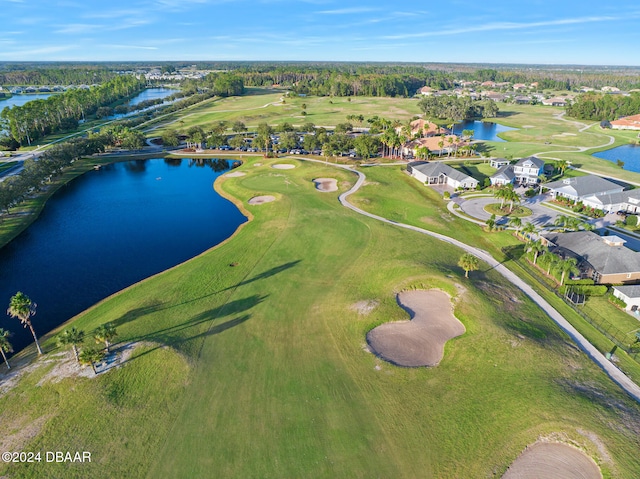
(264, 373)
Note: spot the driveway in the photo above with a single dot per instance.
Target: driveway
(541, 215)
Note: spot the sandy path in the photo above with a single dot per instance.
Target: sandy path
(259, 200)
(235, 174)
(326, 184)
(552, 460)
(420, 341)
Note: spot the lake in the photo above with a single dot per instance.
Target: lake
(151, 94)
(629, 154)
(19, 100)
(482, 130)
(109, 229)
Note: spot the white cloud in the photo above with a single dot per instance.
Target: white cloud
(347, 11)
(498, 26)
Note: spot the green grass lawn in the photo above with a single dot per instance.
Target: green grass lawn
(260, 370)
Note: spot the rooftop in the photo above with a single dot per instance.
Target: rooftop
(606, 254)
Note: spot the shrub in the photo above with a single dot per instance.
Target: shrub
(447, 195)
(632, 220)
(617, 301)
(530, 193)
(587, 282)
(599, 290)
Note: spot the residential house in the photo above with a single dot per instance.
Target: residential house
(581, 187)
(498, 162)
(432, 143)
(489, 83)
(605, 259)
(527, 170)
(554, 102)
(426, 90)
(627, 123)
(630, 294)
(522, 100)
(423, 128)
(610, 89)
(519, 86)
(503, 176)
(628, 201)
(491, 95)
(436, 173)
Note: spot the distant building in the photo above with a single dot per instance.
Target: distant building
(522, 100)
(627, 123)
(426, 90)
(554, 102)
(498, 162)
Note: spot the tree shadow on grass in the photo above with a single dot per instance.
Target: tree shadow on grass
(136, 313)
(175, 335)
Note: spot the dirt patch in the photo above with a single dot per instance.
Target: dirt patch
(565, 134)
(553, 460)
(528, 126)
(235, 174)
(283, 166)
(259, 200)
(19, 431)
(364, 307)
(420, 341)
(257, 164)
(326, 185)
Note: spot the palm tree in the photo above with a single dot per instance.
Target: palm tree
(516, 223)
(528, 230)
(550, 260)
(5, 345)
(561, 221)
(105, 334)
(468, 262)
(562, 165)
(568, 266)
(91, 356)
(73, 337)
(21, 307)
(537, 248)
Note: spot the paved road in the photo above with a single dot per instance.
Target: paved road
(596, 356)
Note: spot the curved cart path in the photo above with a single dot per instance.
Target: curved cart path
(596, 356)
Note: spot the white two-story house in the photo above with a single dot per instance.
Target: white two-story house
(527, 170)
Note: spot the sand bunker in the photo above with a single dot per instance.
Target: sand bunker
(235, 174)
(420, 341)
(258, 200)
(283, 166)
(528, 126)
(553, 460)
(565, 134)
(326, 184)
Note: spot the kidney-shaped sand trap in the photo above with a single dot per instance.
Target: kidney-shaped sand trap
(326, 184)
(420, 341)
(258, 200)
(235, 174)
(283, 166)
(551, 460)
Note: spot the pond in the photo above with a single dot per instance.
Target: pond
(151, 94)
(109, 229)
(19, 100)
(482, 130)
(629, 154)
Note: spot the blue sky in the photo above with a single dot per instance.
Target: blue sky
(561, 32)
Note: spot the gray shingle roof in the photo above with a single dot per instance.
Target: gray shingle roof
(435, 169)
(615, 198)
(630, 291)
(606, 259)
(504, 172)
(583, 186)
(533, 159)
